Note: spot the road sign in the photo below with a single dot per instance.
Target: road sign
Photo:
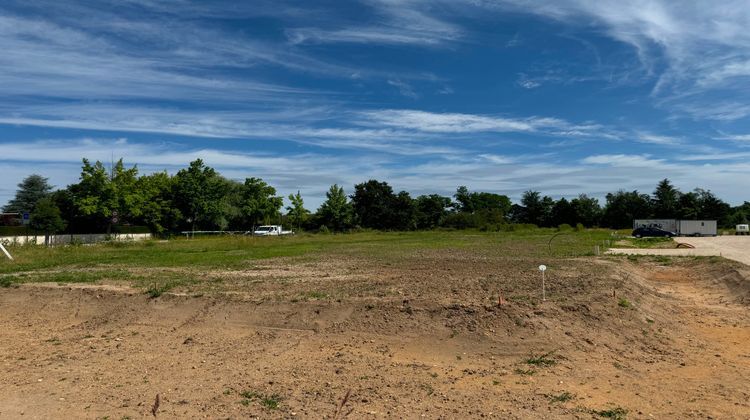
(26, 218)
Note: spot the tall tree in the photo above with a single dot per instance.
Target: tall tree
(32, 189)
(46, 218)
(108, 197)
(666, 200)
(472, 202)
(198, 194)
(404, 212)
(296, 209)
(563, 213)
(587, 210)
(624, 206)
(712, 207)
(336, 212)
(431, 210)
(158, 212)
(688, 207)
(259, 201)
(536, 209)
(373, 203)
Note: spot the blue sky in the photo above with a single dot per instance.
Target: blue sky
(563, 96)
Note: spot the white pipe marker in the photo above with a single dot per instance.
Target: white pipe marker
(543, 268)
(5, 251)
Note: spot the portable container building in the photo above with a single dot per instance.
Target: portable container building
(697, 228)
(742, 230)
(669, 225)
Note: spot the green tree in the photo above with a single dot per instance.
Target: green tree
(712, 207)
(688, 206)
(404, 212)
(108, 197)
(158, 209)
(431, 210)
(563, 213)
(536, 209)
(373, 203)
(623, 207)
(665, 203)
(296, 209)
(336, 212)
(199, 194)
(259, 202)
(46, 218)
(473, 202)
(32, 189)
(587, 210)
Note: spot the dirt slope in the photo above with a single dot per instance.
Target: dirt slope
(438, 346)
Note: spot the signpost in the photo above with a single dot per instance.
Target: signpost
(26, 218)
(543, 268)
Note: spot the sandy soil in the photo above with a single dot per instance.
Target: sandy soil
(407, 340)
(736, 248)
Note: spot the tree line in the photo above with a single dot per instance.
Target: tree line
(199, 198)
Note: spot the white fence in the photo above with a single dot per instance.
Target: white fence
(76, 239)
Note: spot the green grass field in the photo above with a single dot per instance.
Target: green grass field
(161, 265)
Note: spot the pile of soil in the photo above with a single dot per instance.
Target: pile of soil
(440, 334)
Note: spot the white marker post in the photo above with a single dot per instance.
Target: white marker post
(5, 251)
(543, 268)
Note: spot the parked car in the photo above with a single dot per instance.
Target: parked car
(643, 232)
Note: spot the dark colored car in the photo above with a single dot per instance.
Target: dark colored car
(643, 232)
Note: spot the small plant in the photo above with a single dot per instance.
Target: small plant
(156, 290)
(565, 396)
(624, 303)
(526, 372)
(314, 295)
(249, 394)
(5, 281)
(428, 388)
(543, 360)
(617, 413)
(271, 402)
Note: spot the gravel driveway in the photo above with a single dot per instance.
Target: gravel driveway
(733, 247)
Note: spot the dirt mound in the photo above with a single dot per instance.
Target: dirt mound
(395, 341)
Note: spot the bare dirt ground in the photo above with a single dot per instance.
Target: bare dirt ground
(733, 247)
(421, 337)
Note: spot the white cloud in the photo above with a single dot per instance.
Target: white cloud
(735, 137)
(691, 48)
(404, 88)
(396, 22)
(660, 139)
(457, 123)
(622, 160)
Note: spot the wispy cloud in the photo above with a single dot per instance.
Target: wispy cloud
(660, 139)
(690, 50)
(404, 88)
(633, 161)
(457, 123)
(394, 22)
